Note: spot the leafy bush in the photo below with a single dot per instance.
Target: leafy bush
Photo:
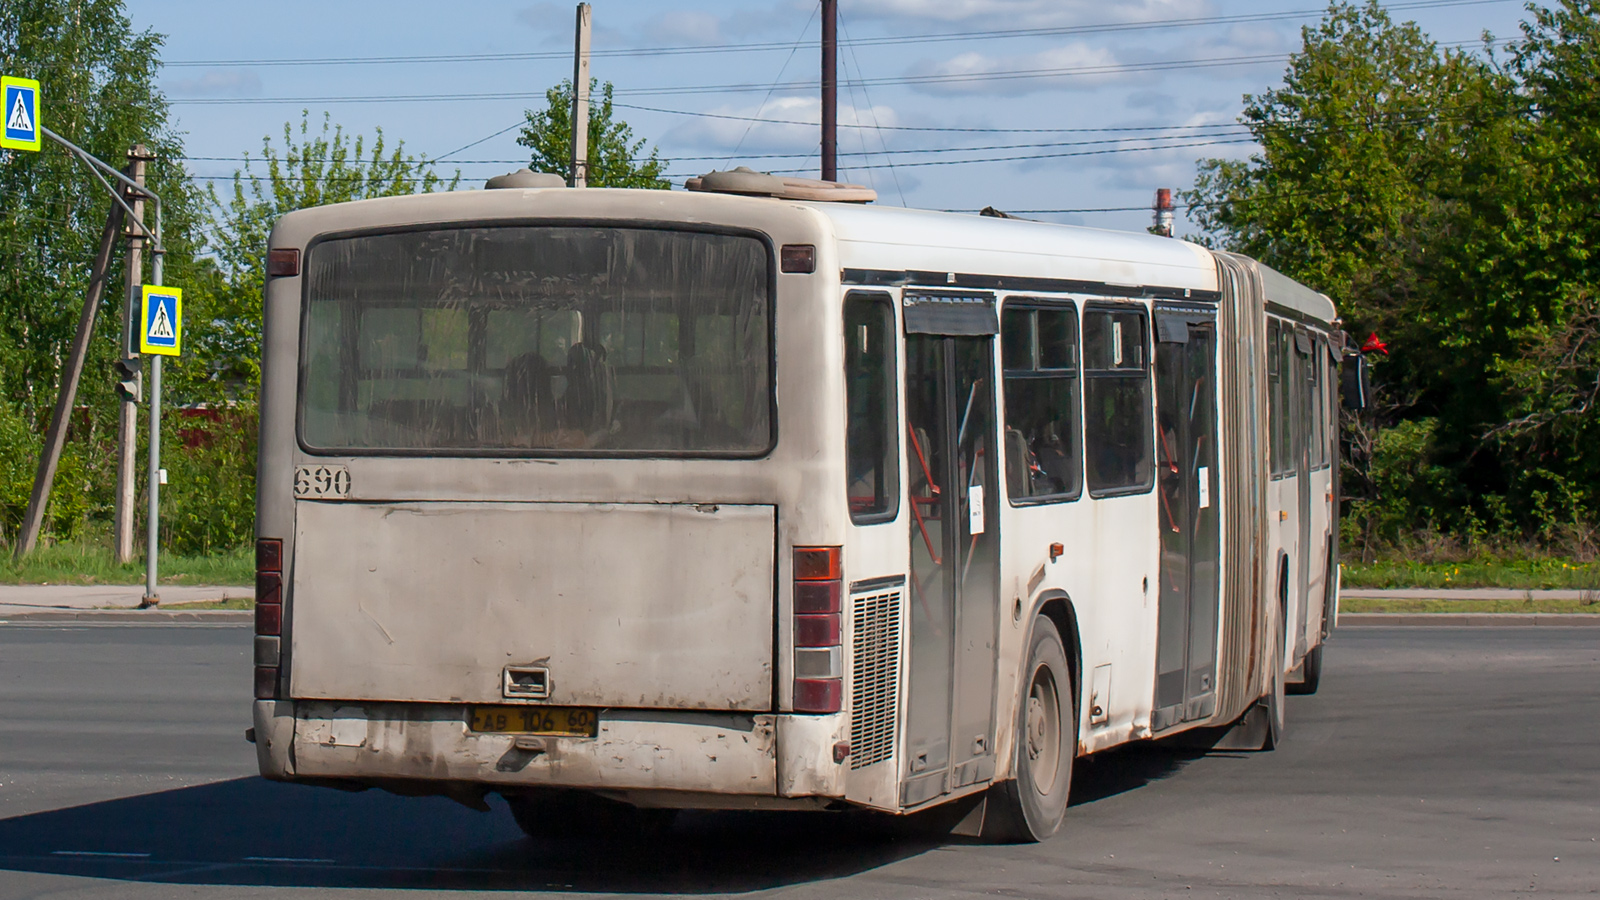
(208, 503)
(19, 454)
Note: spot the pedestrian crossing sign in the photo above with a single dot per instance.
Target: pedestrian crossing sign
(20, 114)
(161, 312)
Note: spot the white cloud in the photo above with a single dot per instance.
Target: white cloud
(1075, 66)
(218, 83)
(767, 137)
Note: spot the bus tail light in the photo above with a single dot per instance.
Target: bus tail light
(818, 638)
(269, 616)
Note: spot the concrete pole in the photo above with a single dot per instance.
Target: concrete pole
(127, 493)
(830, 90)
(580, 97)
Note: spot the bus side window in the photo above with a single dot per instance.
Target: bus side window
(1299, 386)
(1118, 443)
(872, 445)
(1317, 408)
(1039, 354)
(1275, 396)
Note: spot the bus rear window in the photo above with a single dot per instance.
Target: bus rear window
(539, 340)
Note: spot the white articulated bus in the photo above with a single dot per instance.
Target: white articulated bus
(747, 497)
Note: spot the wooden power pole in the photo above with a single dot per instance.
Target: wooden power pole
(56, 437)
(830, 90)
(127, 493)
(580, 97)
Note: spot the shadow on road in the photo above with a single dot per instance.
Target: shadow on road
(254, 832)
(1124, 769)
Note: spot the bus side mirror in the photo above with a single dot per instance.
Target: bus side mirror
(1353, 386)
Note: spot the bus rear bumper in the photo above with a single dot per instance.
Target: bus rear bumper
(635, 750)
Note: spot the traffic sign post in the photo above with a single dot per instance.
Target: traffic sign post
(160, 334)
(20, 114)
(162, 327)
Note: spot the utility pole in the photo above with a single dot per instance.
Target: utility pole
(56, 436)
(128, 372)
(830, 90)
(580, 98)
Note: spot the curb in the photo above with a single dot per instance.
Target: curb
(140, 616)
(1564, 620)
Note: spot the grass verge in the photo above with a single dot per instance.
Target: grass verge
(1548, 573)
(1536, 605)
(91, 563)
(229, 603)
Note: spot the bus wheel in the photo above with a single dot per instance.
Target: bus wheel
(553, 815)
(1274, 700)
(1310, 673)
(1032, 804)
(1311, 666)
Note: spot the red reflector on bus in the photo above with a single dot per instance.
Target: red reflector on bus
(797, 259)
(283, 262)
(816, 631)
(817, 563)
(269, 555)
(269, 618)
(266, 682)
(818, 695)
(269, 588)
(816, 597)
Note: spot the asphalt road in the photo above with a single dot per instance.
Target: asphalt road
(1435, 762)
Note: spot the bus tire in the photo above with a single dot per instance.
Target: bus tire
(1031, 805)
(1274, 700)
(1310, 673)
(558, 814)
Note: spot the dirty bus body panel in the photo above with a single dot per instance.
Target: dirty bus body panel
(697, 500)
(418, 601)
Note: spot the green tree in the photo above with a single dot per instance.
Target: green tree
(310, 168)
(1446, 200)
(97, 77)
(616, 158)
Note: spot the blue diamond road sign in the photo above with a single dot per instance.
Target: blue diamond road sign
(161, 312)
(20, 114)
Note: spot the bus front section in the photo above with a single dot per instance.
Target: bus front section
(525, 524)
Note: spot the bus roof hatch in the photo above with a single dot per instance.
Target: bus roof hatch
(744, 180)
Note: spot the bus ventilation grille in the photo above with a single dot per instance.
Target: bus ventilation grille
(875, 681)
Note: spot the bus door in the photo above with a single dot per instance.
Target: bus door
(1186, 454)
(1300, 424)
(951, 462)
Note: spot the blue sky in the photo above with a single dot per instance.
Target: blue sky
(1167, 73)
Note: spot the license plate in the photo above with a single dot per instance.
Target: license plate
(564, 721)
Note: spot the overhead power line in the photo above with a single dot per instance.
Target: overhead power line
(767, 46)
(928, 79)
(951, 78)
(930, 128)
(865, 166)
(1221, 130)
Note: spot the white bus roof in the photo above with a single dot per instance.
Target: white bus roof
(873, 238)
(880, 237)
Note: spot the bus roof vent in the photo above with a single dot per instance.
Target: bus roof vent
(743, 180)
(525, 178)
